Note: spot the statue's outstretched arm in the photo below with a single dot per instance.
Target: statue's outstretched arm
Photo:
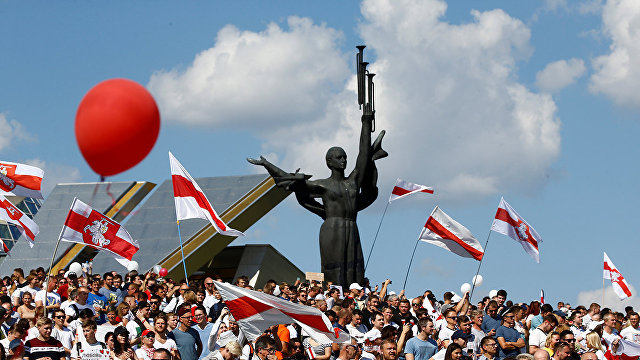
(289, 181)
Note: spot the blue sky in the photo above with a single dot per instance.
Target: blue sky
(535, 101)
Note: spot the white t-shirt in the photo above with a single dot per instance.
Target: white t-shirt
(52, 298)
(95, 351)
(170, 345)
(357, 332)
(70, 311)
(537, 338)
(32, 333)
(209, 301)
(65, 336)
(631, 334)
(142, 354)
(445, 334)
(104, 329)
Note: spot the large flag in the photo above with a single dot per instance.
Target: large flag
(509, 223)
(619, 284)
(86, 226)
(20, 180)
(11, 214)
(441, 230)
(256, 311)
(405, 188)
(191, 202)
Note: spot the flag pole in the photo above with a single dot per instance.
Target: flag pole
(603, 292)
(55, 250)
(473, 285)
(184, 264)
(409, 267)
(376, 237)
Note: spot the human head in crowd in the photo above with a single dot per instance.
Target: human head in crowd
(321, 305)
(161, 354)
(393, 300)
(265, 348)
(464, 323)
(377, 320)
(425, 325)
(552, 339)
(561, 351)
(121, 341)
(489, 347)
(242, 281)
(575, 319)
(549, 322)
(594, 342)
(501, 297)
(454, 352)
(388, 349)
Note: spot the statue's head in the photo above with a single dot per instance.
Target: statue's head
(336, 158)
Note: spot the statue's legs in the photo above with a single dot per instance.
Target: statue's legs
(340, 252)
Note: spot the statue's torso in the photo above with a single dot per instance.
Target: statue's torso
(339, 197)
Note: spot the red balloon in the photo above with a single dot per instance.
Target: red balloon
(163, 272)
(117, 124)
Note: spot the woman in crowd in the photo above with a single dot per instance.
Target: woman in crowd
(552, 340)
(122, 349)
(161, 339)
(27, 310)
(109, 340)
(594, 344)
(534, 310)
(454, 352)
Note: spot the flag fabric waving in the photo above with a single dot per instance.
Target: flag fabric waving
(86, 226)
(256, 311)
(405, 188)
(509, 223)
(541, 296)
(619, 284)
(11, 214)
(441, 230)
(191, 202)
(20, 180)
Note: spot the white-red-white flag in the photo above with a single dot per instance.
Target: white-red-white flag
(256, 311)
(541, 296)
(11, 214)
(405, 188)
(191, 202)
(20, 180)
(441, 230)
(86, 226)
(509, 223)
(619, 284)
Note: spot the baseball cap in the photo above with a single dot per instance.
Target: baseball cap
(148, 332)
(355, 286)
(225, 338)
(459, 334)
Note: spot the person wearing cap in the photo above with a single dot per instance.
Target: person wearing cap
(187, 338)
(15, 333)
(229, 349)
(459, 338)
(419, 347)
(44, 346)
(122, 349)
(140, 322)
(91, 348)
(146, 350)
(509, 341)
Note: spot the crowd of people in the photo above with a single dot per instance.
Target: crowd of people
(144, 317)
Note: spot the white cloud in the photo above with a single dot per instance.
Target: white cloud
(10, 130)
(590, 7)
(560, 74)
(611, 300)
(617, 74)
(255, 79)
(54, 174)
(447, 95)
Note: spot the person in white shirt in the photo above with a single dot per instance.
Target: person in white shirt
(90, 348)
(72, 311)
(356, 328)
(538, 336)
(445, 333)
(212, 296)
(61, 332)
(610, 334)
(632, 332)
(161, 339)
(372, 338)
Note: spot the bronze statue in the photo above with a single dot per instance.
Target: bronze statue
(342, 197)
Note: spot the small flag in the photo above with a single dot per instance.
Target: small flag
(404, 188)
(309, 352)
(509, 223)
(20, 180)
(86, 226)
(541, 296)
(191, 202)
(11, 214)
(441, 230)
(618, 282)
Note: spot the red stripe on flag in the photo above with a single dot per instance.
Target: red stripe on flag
(314, 321)
(4, 247)
(28, 181)
(503, 214)
(182, 187)
(433, 225)
(402, 191)
(244, 307)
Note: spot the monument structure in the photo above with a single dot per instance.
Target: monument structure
(342, 197)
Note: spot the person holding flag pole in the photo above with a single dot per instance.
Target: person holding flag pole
(401, 189)
(192, 203)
